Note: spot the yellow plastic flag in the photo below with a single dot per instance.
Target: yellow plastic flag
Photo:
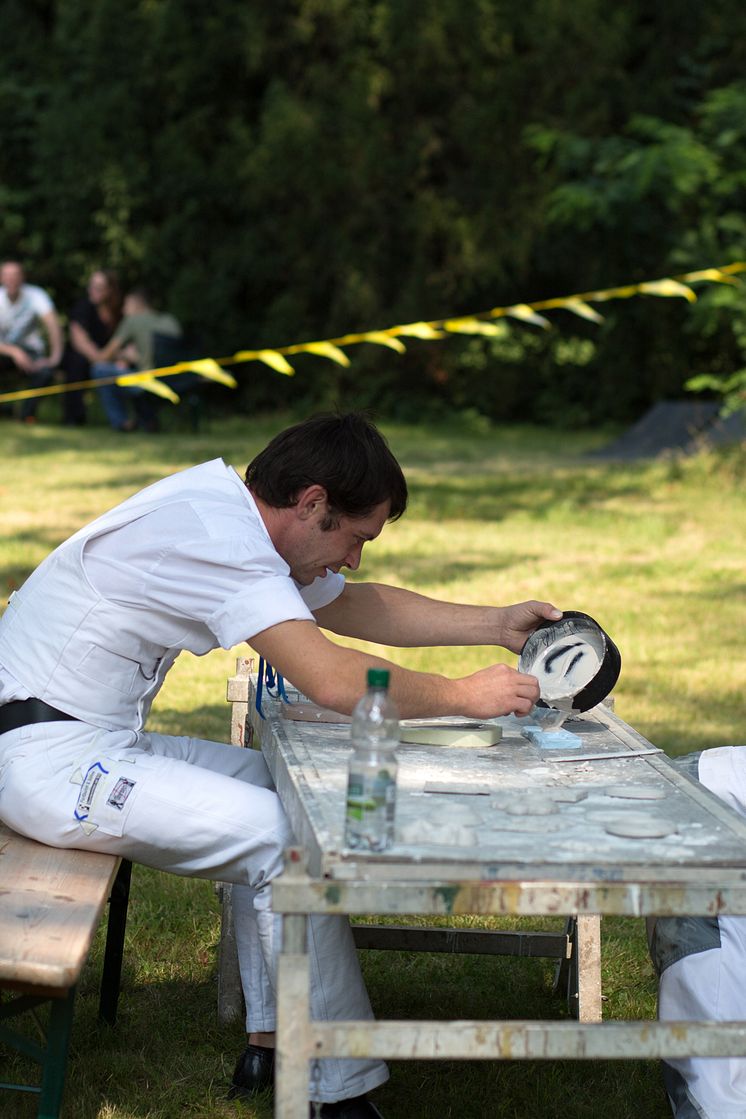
(210, 369)
(379, 338)
(150, 384)
(578, 307)
(526, 314)
(613, 293)
(269, 357)
(714, 274)
(419, 330)
(474, 326)
(326, 349)
(667, 287)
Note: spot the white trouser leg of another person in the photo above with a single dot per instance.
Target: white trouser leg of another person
(197, 808)
(702, 967)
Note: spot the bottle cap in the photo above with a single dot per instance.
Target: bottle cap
(378, 677)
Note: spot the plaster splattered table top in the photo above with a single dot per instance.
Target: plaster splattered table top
(614, 809)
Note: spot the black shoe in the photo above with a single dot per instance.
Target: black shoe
(359, 1107)
(254, 1072)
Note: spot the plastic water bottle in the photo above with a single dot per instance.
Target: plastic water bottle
(371, 783)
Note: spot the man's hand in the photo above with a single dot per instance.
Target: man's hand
(520, 621)
(499, 690)
(19, 357)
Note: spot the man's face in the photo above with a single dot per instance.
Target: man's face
(315, 548)
(11, 278)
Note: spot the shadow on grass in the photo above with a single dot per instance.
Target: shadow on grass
(468, 987)
(168, 1058)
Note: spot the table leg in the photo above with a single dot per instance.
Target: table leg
(588, 950)
(293, 1051)
(579, 976)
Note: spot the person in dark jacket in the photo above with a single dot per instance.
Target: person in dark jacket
(93, 320)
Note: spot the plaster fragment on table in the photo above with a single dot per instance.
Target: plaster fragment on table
(568, 796)
(461, 787)
(526, 805)
(635, 792)
(633, 826)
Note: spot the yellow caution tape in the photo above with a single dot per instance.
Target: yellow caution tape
(476, 323)
(527, 314)
(328, 349)
(580, 307)
(380, 338)
(207, 367)
(150, 384)
(474, 326)
(668, 287)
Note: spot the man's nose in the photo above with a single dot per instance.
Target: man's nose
(352, 559)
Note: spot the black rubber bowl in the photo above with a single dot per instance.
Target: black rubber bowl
(575, 644)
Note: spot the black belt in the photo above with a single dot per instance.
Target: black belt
(21, 712)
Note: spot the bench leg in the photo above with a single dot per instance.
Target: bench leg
(114, 952)
(58, 1040)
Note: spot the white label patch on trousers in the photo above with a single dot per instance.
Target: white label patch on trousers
(104, 799)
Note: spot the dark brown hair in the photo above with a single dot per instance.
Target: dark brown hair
(344, 453)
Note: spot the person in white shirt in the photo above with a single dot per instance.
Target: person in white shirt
(700, 965)
(30, 332)
(202, 560)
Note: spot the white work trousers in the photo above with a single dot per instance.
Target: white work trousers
(711, 984)
(196, 808)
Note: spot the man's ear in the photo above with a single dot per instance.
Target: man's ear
(311, 501)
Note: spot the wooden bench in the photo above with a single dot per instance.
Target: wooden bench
(51, 902)
(577, 949)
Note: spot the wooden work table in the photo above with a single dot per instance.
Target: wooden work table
(521, 831)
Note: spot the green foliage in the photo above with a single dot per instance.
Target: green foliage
(301, 169)
(732, 389)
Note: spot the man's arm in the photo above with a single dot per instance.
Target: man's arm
(18, 356)
(395, 616)
(334, 676)
(54, 334)
(111, 349)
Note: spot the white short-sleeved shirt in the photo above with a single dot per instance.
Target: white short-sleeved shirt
(203, 555)
(20, 320)
(210, 561)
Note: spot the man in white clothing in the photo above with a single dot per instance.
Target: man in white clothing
(196, 561)
(30, 332)
(701, 963)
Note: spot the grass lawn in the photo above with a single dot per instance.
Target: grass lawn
(654, 551)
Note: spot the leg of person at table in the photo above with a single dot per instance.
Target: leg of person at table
(201, 809)
(701, 963)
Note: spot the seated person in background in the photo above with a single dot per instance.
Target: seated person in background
(30, 333)
(93, 320)
(701, 965)
(131, 349)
